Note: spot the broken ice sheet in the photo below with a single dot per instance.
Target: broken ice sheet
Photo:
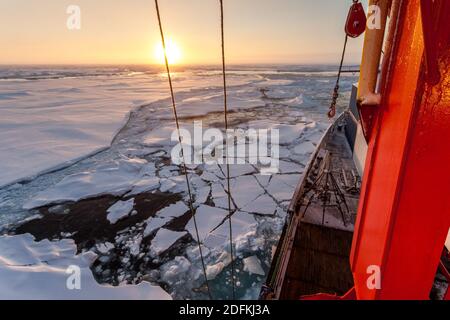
(253, 266)
(220, 197)
(241, 223)
(166, 185)
(115, 178)
(173, 211)
(201, 196)
(237, 170)
(165, 215)
(104, 248)
(263, 179)
(145, 185)
(43, 268)
(282, 187)
(290, 167)
(288, 133)
(153, 224)
(264, 204)
(160, 136)
(120, 210)
(245, 189)
(210, 177)
(207, 219)
(304, 148)
(164, 239)
(213, 270)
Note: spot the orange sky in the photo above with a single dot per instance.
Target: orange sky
(126, 31)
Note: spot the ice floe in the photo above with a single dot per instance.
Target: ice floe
(114, 178)
(164, 239)
(145, 185)
(282, 187)
(264, 204)
(120, 210)
(304, 148)
(121, 171)
(173, 211)
(104, 248)
(42, 270)
(153, 224)
(207, 219)
(245, 189)
(253, 266)
(241, 223)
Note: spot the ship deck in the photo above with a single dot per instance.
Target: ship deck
(314, 257)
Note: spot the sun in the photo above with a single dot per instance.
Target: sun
(173, 52)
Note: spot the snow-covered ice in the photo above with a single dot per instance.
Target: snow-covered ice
(153, 224)
(253, 266)
(120, 210)
(207, 219)
(173, 211)
(145, 185)
(244, 190)
(264, 204)
(242, 223)
(82, 117)
(104, 248)
(164, 239)
(50, 121)
(114, 178)
(41, 270)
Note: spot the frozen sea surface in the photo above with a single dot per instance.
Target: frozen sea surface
(50, 118)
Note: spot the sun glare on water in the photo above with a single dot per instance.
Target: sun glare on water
(173, 52)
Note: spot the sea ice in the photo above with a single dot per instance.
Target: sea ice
(263, 179)
(146, 184)
(181, 271)
(173, 211)
(153, 224)
(245, 189)
(213, 270)
(290, 167)
(166, 185)
(282, 187)
(237, 170)
(202, 195)
(104, 248)
(160, 136)
(207, 219)
(253, 266)
(114, 178)
(40, 270)
(208, 176)
(120, 210)
(288, 133)
(164, 239)
(304, 148)
(264, 204)
(241, 222)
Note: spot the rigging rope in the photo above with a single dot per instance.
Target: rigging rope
(228, 191)
(332, 111)
(182, 150)
(354, 27)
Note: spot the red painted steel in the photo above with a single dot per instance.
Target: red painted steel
(404, 212)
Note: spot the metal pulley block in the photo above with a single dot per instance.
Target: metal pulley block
(356, 20)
